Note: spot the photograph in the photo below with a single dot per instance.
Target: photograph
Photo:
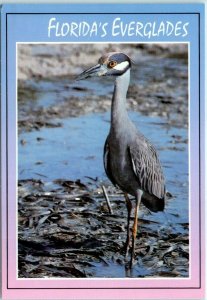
(103, 160)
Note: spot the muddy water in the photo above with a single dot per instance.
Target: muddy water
(62, 211)
(75, 151)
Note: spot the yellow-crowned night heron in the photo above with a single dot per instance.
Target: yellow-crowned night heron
(130, 160)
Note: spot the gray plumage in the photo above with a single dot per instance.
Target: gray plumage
(130, 160)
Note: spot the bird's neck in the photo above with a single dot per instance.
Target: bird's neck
(118, 109)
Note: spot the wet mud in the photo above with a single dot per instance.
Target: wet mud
(69, 232)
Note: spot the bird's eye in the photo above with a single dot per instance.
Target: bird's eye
(112, 64)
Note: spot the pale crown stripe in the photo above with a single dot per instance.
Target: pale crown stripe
(122, 66)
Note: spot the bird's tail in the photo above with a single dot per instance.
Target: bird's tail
(153, 203)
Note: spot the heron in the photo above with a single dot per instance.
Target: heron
(130, 160)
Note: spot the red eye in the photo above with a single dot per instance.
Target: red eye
(112, 64)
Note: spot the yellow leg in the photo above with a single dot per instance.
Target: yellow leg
(129, 209)
(134, 229)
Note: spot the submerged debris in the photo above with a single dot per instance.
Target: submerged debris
(68, 233)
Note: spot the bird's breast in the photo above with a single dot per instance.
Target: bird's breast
(120, 165)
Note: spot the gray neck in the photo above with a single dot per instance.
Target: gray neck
(118, 109)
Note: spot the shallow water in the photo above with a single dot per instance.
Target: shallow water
(74, 151)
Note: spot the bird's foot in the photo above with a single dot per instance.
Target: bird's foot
(126, 257)
(132, 262)
(127, 246)
(129, 268)
(125, 251)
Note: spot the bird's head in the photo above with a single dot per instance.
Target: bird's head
(110, 64)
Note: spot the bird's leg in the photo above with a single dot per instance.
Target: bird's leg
(134, 229)
(129, 209)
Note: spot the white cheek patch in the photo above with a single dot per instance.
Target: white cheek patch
(122, 66)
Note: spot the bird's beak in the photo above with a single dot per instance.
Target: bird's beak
(98, 70)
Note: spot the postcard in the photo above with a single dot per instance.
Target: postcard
(102, 127)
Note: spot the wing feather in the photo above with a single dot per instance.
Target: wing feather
(107, 166)
(147, 168)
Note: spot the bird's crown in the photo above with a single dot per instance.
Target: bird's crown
(116, 60)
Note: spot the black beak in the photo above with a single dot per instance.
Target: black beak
(98, 70)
